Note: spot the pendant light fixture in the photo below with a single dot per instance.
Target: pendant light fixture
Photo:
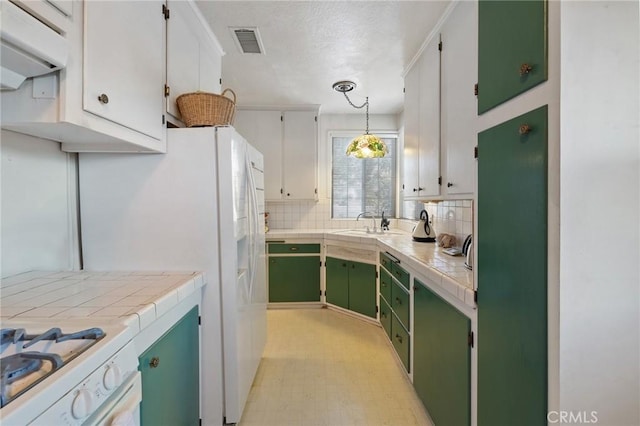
(366, 145)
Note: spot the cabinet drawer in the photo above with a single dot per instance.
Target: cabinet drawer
(385, 284)
(400, 340)
(293, 248)
(386, 261)
(401, 275)
(385, 317)
(400, 303)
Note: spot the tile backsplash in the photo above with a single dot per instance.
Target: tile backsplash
(453, 217)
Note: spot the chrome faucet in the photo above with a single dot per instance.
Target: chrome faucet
(372, 216)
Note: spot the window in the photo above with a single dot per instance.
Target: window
(362, 185)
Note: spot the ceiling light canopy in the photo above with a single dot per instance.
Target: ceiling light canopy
(367, 145)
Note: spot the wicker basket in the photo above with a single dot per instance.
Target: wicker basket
(201, 109)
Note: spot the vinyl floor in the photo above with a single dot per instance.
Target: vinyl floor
(326, 368)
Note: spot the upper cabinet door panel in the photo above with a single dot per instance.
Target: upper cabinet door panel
(459, 117)
(429, 121)
(263, 130)
(124, 61)
(512, 48)
(183, 54)
(299, 155)
(411, 131)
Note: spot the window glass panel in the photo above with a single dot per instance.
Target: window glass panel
(362, 184)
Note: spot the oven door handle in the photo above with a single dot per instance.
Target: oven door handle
(125, 399)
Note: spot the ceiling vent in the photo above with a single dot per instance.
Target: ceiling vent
(247, 39)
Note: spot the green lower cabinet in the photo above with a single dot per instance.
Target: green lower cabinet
(338, 282)
(352, 285)
(294, 278)
(400, 303)
(170, 376)
(442, 358)
(512, 271)
(385, 317)
(362, 288)
(385, 284)
(400, 340)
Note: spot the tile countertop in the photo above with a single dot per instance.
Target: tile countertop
(427, 259)
(135, 299)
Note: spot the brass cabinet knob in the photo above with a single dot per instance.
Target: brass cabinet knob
(155, 361)
(525, 69)
(103, 98)
(524, 129)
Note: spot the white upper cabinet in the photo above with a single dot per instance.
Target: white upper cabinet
(300, 155)
(441, 121)
(110, 96)
(194, 56)
(263, 130)
(422, 125)
(411, 131)
(123, 64)
(429, 157)
(459, 104)
(288, 141)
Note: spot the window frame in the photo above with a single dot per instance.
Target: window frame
(389, 134)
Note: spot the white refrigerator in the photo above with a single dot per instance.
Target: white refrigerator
(200, 206)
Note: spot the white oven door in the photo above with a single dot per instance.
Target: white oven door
(123, 406)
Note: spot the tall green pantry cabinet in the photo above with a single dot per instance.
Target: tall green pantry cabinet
(512, 271)
(171, 376)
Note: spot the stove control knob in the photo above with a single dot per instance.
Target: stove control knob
(112, 377)
(82, 404)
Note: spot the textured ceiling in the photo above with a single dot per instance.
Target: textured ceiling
(309, 45)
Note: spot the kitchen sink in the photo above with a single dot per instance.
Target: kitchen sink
(364, 233)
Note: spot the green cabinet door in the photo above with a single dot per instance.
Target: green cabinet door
(170, 376)
(400, 340)
(385, 317)
(362, 288)
(512, 49)
(442, 358)
(338, 282)
(294, 278)
(512, 272)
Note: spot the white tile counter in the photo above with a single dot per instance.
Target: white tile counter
(136, 299)
(427, 259)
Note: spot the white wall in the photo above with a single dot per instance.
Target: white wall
(38, 214)
(600, 211)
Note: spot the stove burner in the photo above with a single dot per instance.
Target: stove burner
(30, 365)
(17, 366)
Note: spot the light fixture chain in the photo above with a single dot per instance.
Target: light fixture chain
(354, 105)
(365, 104)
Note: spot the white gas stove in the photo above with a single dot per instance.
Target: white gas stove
(66, 373)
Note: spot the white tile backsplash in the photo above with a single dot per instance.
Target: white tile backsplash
(453, 217)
